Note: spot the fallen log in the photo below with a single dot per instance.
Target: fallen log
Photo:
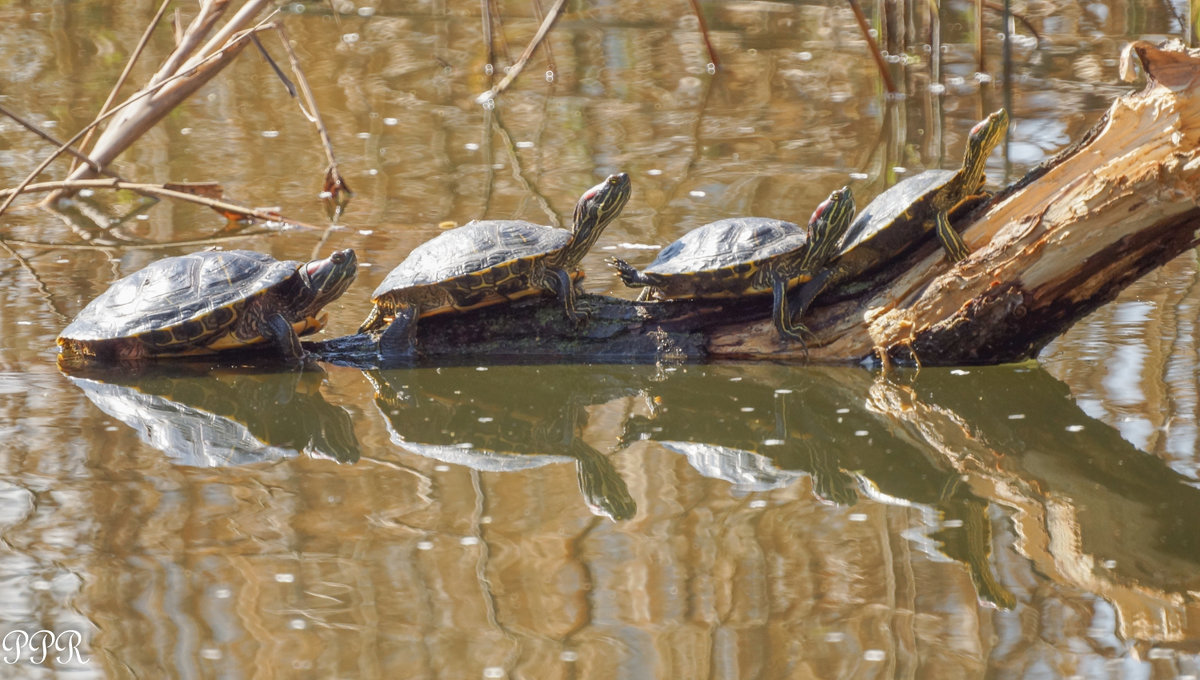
(1046, 251)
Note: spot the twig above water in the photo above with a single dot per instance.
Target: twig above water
(550, 67)
(515, 70)
(335, 185)
(712, 53)
(196, 61)
(28, 125)
(197, 74)
(873, 47)
(158, 191)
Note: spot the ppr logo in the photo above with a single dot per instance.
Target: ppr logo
(36, 648)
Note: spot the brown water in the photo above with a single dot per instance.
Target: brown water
(733, 521)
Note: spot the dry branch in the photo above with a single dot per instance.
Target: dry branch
(181, 192)
(197, 57)
(873, 48)
(335, 185)
(173, 83)
(713, 62)
(116, 89)
(64, 147)
(515, 70)
(1046, 251)
(187, 69)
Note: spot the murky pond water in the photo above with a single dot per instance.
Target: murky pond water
(673, 521)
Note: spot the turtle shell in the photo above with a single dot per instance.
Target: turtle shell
(728, 243)
(484, 260)
(723, 257)
(895, 220)
(179, 303)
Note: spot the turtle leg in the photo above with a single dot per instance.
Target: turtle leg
(780, 313)
(629, 275)
(374, 320)
(400, 337)
(633, 278)
(279, 332)
(804, 294)
(559, 281)
(956, 250)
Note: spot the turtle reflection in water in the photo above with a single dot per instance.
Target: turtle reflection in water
(499, 420)
(203, 418)
(740, 433)
(761, 429)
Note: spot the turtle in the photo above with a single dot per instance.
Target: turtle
(206, 302)
(745, 256)
(489, 262)
(894, 224)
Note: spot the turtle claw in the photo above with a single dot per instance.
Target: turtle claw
(306, 360)
(579, 316)
(628, 274)
(798, 333)
(624, 269)
(803, 343)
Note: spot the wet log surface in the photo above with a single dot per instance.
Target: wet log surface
(1046, 251)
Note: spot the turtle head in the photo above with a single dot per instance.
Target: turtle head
(598, 206)
(982, 139)
(325, 280)
(603, 489)
(826, 227)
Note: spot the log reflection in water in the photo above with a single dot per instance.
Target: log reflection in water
(1091, 510)
(758, 431)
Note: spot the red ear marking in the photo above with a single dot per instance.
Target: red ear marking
(819, 211)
